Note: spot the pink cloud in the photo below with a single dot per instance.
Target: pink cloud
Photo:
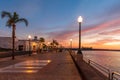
(66, 34)
(102, 26)
(112, 32)
(60, 35)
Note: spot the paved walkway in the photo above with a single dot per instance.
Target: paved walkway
(47, 66)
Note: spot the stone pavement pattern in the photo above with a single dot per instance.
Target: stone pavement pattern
(60, 67)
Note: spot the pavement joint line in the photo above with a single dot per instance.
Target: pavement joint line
(26, 66)
(64, 71)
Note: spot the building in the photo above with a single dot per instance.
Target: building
(21, 45)
(25, 45)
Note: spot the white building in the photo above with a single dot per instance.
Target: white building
(22, 45)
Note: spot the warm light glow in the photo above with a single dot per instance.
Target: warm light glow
(112, 43)
(30, 71)
(49, 61)
(48, 43)
(34, 44)
(29, 37)
(70, 39)
(80, 19)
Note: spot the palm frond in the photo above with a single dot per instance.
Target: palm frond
(22, 20)
(6, 14)
(15, 16)
(8, 23)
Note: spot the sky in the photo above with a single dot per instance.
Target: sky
(57, 19)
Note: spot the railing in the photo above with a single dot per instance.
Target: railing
(104, 70)
(115, 76)
(107, 72)
(8, 54)
(99, 67)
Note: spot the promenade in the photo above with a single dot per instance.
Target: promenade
(46, 66)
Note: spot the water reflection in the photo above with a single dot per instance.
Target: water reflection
(110, 59)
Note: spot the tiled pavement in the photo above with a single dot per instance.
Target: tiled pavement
(47, 66)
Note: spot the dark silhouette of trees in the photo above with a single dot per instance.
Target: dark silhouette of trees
(41, 43)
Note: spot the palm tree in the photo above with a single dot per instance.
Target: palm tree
(55, 43)
(11, 22)
(41, 40)
(44, 46)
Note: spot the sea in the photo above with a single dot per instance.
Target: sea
(108, 59)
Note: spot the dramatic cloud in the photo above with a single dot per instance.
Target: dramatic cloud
(111, 32)
(62, 34)
(57, 20)
(102, 26)
(96, 35)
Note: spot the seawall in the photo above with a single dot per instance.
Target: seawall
(87, 71)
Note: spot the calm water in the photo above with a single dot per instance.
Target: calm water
(109, 59)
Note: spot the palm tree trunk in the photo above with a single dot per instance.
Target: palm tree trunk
(13, 41)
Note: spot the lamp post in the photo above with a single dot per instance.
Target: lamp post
(48, 46)
(79, 21)
(29, 37)
(70, 45)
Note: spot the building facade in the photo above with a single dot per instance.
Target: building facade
(21, 45)
(26, 45)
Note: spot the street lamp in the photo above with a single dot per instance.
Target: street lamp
(70, 45)
(79, 21)
(48, 44)
(29, 37)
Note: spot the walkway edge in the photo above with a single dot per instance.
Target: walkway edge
(86, 71)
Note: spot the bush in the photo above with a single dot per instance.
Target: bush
(4, 49)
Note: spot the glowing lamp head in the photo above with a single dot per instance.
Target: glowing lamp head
(48, 43)
(80, 19)
(29, 36)
(70, 39)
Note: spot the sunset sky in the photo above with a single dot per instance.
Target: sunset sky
(57, 19)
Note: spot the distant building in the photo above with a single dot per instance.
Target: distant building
(21, 45)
